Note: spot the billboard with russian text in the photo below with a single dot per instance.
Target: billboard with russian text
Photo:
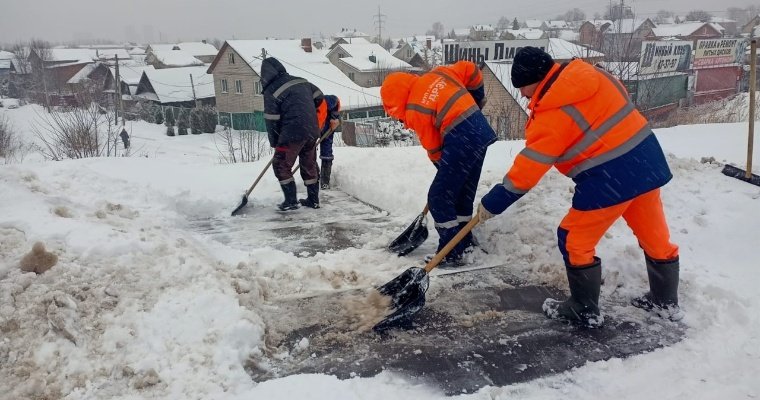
(664, 56)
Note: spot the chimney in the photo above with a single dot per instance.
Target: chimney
(373, 59)
(306, 44)
(429, 43)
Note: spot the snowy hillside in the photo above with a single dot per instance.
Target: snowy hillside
(144, 304)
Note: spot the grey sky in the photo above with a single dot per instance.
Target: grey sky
(173, 20)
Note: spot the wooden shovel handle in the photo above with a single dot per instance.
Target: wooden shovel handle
(425, 210)
(256, 182)
(451, 244)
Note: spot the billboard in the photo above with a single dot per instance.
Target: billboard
(491, 50)
(663, 56)
(712, 52)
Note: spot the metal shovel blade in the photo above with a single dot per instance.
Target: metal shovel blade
(411, 238)
(407, 293)
(240, 207)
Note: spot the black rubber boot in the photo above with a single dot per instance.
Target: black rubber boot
(312, 200)
(291, 201)
(662, 297)
(582, 307)
(325, 173)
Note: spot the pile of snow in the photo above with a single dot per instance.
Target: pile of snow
(139, 306)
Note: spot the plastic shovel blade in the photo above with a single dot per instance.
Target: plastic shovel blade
(411, 238)
(407, 293)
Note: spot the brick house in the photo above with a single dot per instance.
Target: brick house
(238, 90)
(591, 33)
(506, 109)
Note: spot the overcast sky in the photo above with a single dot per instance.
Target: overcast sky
(174, 20)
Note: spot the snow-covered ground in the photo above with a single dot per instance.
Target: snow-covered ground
(139, 306)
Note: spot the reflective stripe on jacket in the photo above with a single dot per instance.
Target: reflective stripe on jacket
(434, 103)
(586, 125)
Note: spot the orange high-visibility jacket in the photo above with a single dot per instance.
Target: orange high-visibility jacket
(583, 122)
(434, 103)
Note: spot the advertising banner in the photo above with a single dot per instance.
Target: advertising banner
(658, 57)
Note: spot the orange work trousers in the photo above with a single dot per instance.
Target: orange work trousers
(580, 231)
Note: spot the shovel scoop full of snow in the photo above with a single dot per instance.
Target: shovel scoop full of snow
(407, 293)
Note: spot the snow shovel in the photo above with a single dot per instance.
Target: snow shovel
(248, 192)
(407, 291)
(412, 237)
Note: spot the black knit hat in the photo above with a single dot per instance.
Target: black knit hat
(531, 65)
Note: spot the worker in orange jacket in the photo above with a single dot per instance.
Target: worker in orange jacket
(443, 108)
(583, 123)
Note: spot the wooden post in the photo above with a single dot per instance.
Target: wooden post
(193, 86)
(752, 89)
(117, 91)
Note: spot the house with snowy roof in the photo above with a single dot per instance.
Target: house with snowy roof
(687, 31)
(203, 51)
(365, 64)
(175, 87)
(162, 59)
(236, 73)
(422, 51)
(60, 65)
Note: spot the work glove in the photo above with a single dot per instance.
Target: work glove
(483, 214)
(334, 123)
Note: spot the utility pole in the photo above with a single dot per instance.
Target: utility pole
(379, 21)
(118, 106)
(192, 84)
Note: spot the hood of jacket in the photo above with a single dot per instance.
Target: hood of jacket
(578, 81)
(271, 69)
(395, 93)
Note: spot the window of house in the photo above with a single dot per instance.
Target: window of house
(351, 76)
(239, 87)
(409, 53)
(231, 57)
(223, 83)
(257, 89)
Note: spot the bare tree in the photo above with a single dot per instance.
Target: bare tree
(503, 23)
(437, 30)
(618, 11)
(698, 15)
(11, 147)
(80, 132)
(573, 14)
(241, 146)
(663, 16)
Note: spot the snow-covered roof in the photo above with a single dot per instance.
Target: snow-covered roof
(561, 49)
(719, 20)
(557, 24)
(5, 63)
(462, 32)
(131, 74)
(527, 33)
(359, 57)
(176, 58)
(682, 30)
(347, 33)
(314, 67)
(83, 73)
(173, 84)
(569, 35)
(533, 23)
(6, 55)
(71, 55)
(198, 49)
(483, 28)
(355, 40)
(502, 71)
(137, 51)
(109, 54)
(598, 23)
(626, 25)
